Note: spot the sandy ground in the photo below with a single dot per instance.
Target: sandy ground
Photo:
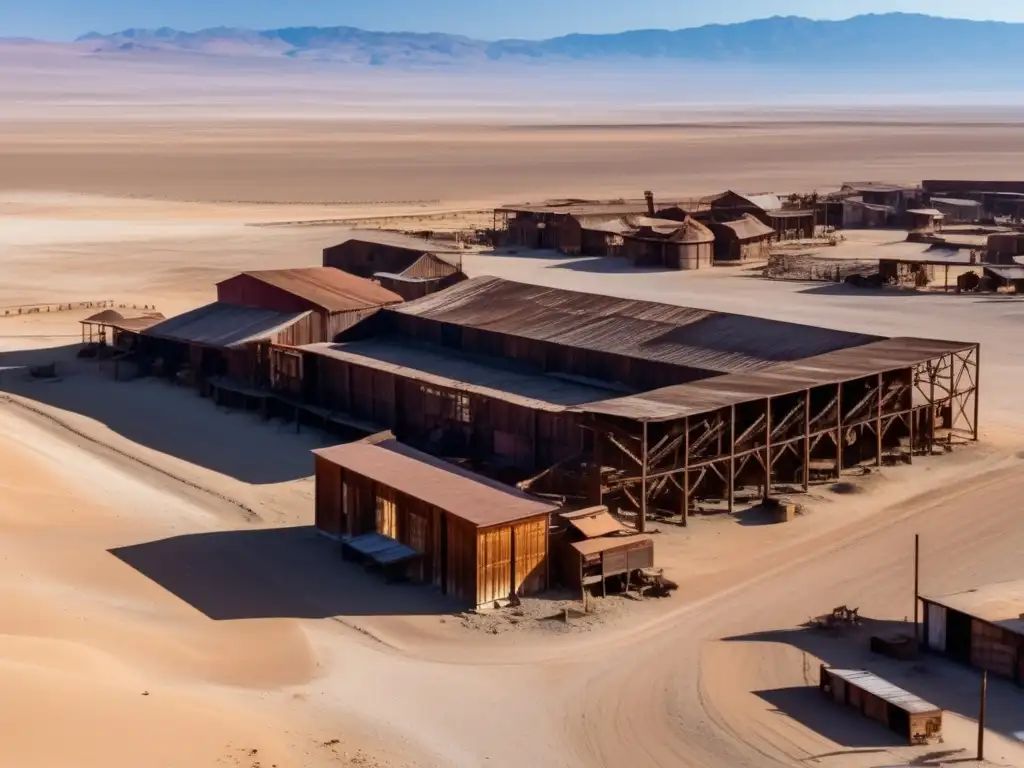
(166, 603)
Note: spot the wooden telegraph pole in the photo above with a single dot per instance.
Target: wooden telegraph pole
(981, 716)
(917, 583)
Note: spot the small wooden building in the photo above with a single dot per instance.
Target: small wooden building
(982, 627)
(476, 539)
(924, 219)
(746, 239)
(336, 299)
(913, 718)
(792, 224)
(368, 252)
(593, 547)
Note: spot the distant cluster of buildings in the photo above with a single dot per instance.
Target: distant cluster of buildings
(731, 228)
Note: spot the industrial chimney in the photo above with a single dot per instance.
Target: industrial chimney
(649, 197)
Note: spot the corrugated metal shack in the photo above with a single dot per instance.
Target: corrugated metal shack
(641, 406)
(223, 341)
(982, 627)
(337, 299)
(745, 239)
(593, 547)
(957, 210)
(369, 251)
(473, 538)
(669, 244)
(913, 718)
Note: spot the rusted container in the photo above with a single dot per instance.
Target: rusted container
(902, 712)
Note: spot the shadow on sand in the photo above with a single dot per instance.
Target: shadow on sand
(609, 265)
(166, 418)
(274, 573)
(950, 686)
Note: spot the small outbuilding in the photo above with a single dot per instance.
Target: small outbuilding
(368, 252)
(336, 299)
(957, 210)
(472, 537)
(593, 547)
(913, 718)
(746, 239)
(924, 219)
(982, 627)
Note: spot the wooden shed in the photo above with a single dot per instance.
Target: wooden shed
(913, 718)
(982, 627)
(595, 547)
(476, 539)
(336, 299)
(746, 239)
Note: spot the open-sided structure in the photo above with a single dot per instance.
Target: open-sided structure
(644, 407)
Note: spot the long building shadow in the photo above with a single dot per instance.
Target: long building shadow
(274, 573)
(953, 687)
(170, 419)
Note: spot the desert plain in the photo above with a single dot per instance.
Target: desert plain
(163, 599)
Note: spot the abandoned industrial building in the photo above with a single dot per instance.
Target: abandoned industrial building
(646, 408)
(473, 538)
(408, 266)
(982, 627)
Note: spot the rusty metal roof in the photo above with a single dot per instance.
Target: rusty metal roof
(330, 289)
(394, 239)
(698, 397)
(421, 363)
(594, 522)
(883, 689)
(474, 498)
(748, 228)
(606, 543)
(697, 339)
(1000, 603)
(111, 318)
(224, 325)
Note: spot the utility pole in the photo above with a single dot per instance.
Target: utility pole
(981, 716)
(917, 582)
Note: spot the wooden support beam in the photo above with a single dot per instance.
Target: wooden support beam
(624, 449)
(839, 431)
(768, 451)
(977, 389)
(748, 432)
(642, 520)
(878, 424)
(686, 472)
(807, 441)
(786, 421)
(732, 459)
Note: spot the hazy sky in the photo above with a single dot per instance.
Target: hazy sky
(63, 19)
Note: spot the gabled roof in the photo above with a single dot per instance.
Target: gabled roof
(328, 288)
(697, 339)
(224, 325)
(748, 228)
(474, 498)
(764, 201)
(111, 318)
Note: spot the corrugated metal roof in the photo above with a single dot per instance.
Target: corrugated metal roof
(331, 289)
(878, 186)
(420, 363)
(474, 498)
(594, 523)
(606, 543)
(1007, 273)
(790, 214)
(883, 689)
(114, 319)
(224, 325)
(698, 339)
(406, 278)
(699, 397)
(748, 228)
(956, 202)
(410, 242)
(1000, 603)
(933, 212)
(766, 202)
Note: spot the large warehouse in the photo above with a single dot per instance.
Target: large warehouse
(640, 406)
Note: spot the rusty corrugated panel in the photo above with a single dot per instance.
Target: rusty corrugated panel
(328, 288)
(476, 499)
(421, 364)
(224, 325)
(698, 397)
(111, 318)
(697, 339)
(609, 543)
(883, 689)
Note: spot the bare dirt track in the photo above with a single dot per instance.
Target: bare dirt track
(164, 600)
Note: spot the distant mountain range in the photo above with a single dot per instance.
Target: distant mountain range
(895, 43)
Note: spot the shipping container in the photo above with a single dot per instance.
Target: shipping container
(913, 718)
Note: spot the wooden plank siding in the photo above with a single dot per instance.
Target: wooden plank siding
(474, 565)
